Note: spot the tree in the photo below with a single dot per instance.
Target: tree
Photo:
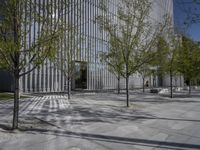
(20, 51)
(167, 61)
(144, 72)
(65, 62)
(171, 67)
(113, 58)
(134, 34)
(161, 55)
(189, 60)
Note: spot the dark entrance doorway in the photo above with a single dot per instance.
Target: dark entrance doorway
(80, 76)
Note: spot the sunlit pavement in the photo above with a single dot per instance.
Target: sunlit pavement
(102, 122)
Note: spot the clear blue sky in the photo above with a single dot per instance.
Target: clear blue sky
(181, 9)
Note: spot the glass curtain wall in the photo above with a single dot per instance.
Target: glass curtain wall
(89, 73)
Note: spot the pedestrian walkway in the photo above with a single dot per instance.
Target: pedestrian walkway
(102, 122)
(35, 106)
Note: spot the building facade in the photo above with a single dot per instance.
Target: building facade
(90, 73)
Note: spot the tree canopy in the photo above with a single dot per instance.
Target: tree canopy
(189, 59)
(30, 32)
(133, 32)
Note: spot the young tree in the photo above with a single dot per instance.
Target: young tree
(134, 34)
(169, 45)
(189, 60)
(113, 58)
(171, 67)
(161, 55)
(20, 51)
(69, 51)
(144, 72)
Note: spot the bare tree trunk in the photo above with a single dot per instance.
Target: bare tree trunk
(176, 81)
(143, 79)
(150, 83)
(68, 88)
(16, 33)
(127, 91)
(171, 84)
(154, 81)
(118, 84)
(190, 90)
(16, 103)
(180, 81)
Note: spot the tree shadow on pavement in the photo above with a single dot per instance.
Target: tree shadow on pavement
(89, 115)
(146, 98)
(6, 127)
(114, 139)
(159, 99)
(182, 96)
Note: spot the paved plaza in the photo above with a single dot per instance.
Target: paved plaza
(101, 121)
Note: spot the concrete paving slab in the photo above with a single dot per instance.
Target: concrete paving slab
(102, 122)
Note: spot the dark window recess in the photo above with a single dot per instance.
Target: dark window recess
(80, 75)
